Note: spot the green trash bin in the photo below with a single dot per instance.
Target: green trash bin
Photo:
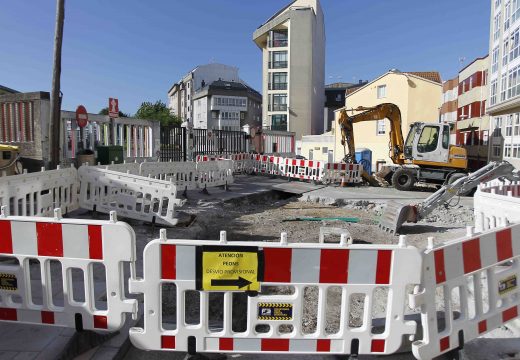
(108, 154)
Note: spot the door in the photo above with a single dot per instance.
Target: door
(428, 146)
(331, 156)
(311, 154)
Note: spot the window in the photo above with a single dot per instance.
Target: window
(509, 125)
(279, 102)
(516, 151)
(503, 88)
(507, 16)
(446, 137)
(507, 150)
(485, 137)
(497, 4)
(516, 131)
(497, 126)
(381, 91)
(494, 64)
(278, 60)
(515, 10)
(279, 122)
(324, 150)
(278, 38)
(514, 45)
(380, 127)
(505, 52)
(514, 83)
(493, 97)
(339, 98)
(279, 81)
(496, 27)
(428, 139)
(497, 151)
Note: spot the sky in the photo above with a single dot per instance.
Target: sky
(136, 50)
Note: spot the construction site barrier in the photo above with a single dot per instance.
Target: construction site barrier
(40, 258)
(183, 174)
(336, 172)
(214, 173)
(191, 277)
(39, 193)
(133, 168)
(311, 170)
(496, 204)
(132, 196)
(472, 283)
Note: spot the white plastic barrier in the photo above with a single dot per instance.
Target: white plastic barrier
(74, 247)
(183, 174)
(335, 172)
(354, 272)
(473, 282)
(214, 173)
(496, 204)
(133, 168)
(132, 196)
(39, 193)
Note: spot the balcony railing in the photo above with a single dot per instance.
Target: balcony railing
(280, 127)
(278, 43)
(277, 86)
(278, 64)
(277, 107)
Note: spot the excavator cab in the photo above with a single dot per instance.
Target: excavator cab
(427, 143)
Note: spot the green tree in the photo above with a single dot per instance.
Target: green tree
(104, 111)
(157, 111)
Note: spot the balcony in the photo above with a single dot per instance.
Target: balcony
(279, 127)
(277, 107)
(278, 43)
(278, 64)
(277, 86)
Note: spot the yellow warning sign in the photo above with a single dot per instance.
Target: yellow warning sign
(228, 269)
(508, 284)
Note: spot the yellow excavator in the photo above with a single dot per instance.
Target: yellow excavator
(426, 155)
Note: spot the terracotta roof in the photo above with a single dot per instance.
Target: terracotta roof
(428, 75)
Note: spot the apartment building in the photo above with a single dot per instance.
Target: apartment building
(472, 125)
(227, 105)
(504, 81)
(450, 89)
(293, 68)
(180, 95)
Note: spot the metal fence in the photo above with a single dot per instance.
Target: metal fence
(213, 142)
(173, 143)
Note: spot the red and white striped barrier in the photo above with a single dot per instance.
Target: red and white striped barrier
(303, 169)
(76, 245)
(348, 269)
(478, 276)
(214, 173)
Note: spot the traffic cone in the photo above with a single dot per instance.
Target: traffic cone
(343, 182)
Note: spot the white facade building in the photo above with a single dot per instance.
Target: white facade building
(293, 52)
(180, 95)
(504, 81)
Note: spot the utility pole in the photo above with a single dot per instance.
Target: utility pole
(56, 93)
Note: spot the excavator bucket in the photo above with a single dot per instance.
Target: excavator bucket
(395, 215)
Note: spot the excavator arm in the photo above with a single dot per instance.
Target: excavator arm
(379, 112)
(395, 214)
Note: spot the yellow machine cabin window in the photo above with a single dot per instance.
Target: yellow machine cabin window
(429, 139)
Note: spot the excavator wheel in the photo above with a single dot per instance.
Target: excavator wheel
(403, 180)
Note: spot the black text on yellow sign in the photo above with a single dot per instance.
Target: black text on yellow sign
(228, 268)
(8, 282)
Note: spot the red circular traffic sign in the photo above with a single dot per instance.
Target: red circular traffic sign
(81, 116)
